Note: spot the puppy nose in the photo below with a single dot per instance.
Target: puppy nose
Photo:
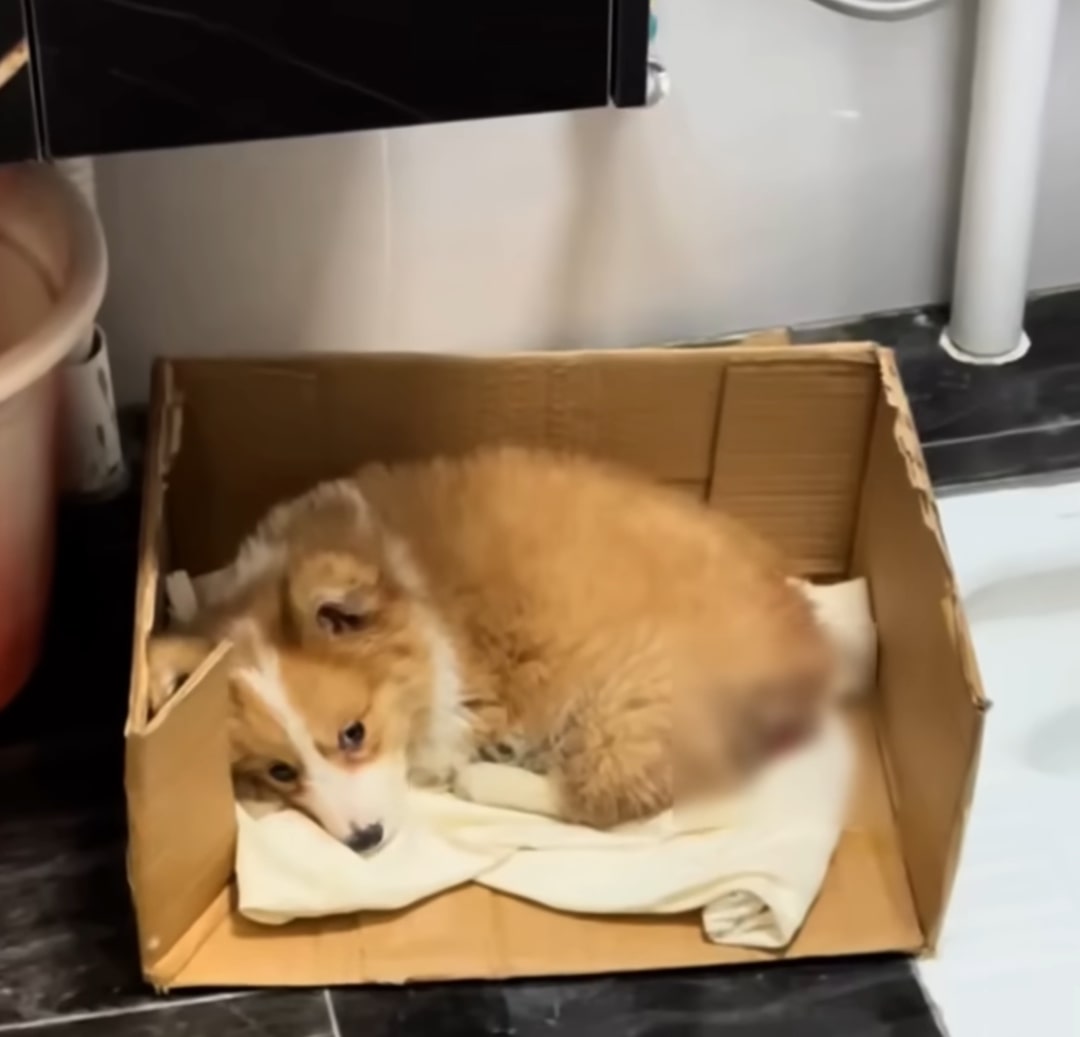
(363, 839)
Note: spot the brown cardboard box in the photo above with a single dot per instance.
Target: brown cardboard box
(813, 445)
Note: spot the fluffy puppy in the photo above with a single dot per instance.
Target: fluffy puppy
(510, 605)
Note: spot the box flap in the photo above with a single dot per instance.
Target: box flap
(865, 907)
(163, 442)
(929, 693)
(790, 450)
(181, 812)
(656, 410)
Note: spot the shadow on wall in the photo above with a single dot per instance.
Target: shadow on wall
(619, 274)
(804, 168)
(798, 171)
(426, 239)
(233, 250)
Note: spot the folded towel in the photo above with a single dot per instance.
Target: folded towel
(752, 863)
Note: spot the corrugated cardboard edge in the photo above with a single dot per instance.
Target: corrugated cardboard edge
(768, 351)
(153, 490)
(163, 441)
(161, 973)
(146, 741)
(815, 549)
(768, 337)
(907, 441)
(180, 858)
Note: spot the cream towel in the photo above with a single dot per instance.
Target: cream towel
(752, 863)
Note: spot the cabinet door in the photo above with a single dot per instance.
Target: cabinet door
(18, 135)
(135, 74)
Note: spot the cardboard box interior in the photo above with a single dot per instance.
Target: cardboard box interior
(813, 446)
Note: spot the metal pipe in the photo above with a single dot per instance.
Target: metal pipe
(1013, 51)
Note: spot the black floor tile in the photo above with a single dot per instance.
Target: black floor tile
(871, 999)
(67, 942)
(284, 1014)
(981, 424)
(1011, 455)
(445, 1010)
(878, 998)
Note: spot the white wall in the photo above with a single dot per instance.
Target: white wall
(805, 167)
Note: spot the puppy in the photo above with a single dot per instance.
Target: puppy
(511, 605)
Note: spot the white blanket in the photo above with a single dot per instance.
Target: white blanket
(752, 863)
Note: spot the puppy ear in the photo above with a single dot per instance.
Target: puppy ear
(334, 595)
(172, 659)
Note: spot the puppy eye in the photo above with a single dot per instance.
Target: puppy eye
(283, 773)
(351, 737)
(338, 620)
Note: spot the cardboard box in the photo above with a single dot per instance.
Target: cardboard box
(813, 445)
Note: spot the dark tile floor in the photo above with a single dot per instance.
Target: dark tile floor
(68, 940)
(67, 951)
(981, 424)
(285, 1014)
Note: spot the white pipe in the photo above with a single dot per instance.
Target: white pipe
(1013, 52)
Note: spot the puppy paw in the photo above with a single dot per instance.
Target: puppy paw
(511, 788)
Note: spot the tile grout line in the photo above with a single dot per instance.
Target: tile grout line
(112, 1013)
(1047, 428)
(331, 1011)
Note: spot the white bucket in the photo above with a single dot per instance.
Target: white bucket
(52, 279)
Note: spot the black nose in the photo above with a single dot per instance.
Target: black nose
(363, 839)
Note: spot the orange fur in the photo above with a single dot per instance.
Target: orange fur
(619, 636)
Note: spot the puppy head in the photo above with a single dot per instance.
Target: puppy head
(362, 610)
(337, 599)
(310, 731)
(330, 680)
(323, 716)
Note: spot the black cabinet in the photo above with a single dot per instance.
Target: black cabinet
(135, 74)
(18, 124)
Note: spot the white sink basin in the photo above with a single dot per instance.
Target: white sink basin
(1054, 745)
(1010, 955)
(1030, 622)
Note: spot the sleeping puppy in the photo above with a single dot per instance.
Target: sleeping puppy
(513, 606)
